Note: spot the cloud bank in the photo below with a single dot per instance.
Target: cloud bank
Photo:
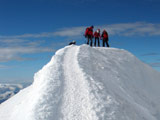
(13, 49)
(121, 29)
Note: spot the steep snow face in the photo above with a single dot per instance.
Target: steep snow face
(84, 83)
(117, 74)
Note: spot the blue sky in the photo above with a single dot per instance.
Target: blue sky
(32, 30)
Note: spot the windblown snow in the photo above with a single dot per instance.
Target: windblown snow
(84, 83)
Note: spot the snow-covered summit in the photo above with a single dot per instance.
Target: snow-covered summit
(84, 83)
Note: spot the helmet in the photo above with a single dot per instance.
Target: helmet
(92, 26)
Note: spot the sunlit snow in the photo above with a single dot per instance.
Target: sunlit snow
(85, 83)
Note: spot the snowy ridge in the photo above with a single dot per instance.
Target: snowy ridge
(84, 83)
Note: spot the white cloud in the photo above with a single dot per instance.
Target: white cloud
(13, 49)
(69, 32)
(130, 29)
(65, 32)
(8, 42)
(14, 53)
(122, 29)
(40, 35)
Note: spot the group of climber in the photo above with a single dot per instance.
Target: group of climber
(97, 35)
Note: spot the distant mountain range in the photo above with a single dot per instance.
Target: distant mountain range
(8, 90)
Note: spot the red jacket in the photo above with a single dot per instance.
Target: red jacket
(89, 31)
(97, 35)
(105, 34)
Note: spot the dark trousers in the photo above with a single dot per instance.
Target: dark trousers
(96, 40)
(89, 39)
(105, 41)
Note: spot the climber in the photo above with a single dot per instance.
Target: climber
(89, 35)
(97, 37)
(105, 38)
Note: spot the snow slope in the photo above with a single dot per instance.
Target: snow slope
(84, 83)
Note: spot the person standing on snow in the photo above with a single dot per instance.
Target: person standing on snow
(89, 35)
(97, 37)
(105, 38)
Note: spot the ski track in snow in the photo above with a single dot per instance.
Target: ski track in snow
(93, 103)
(76, 94)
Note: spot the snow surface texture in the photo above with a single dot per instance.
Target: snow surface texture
(8, 90)
(84, 83)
